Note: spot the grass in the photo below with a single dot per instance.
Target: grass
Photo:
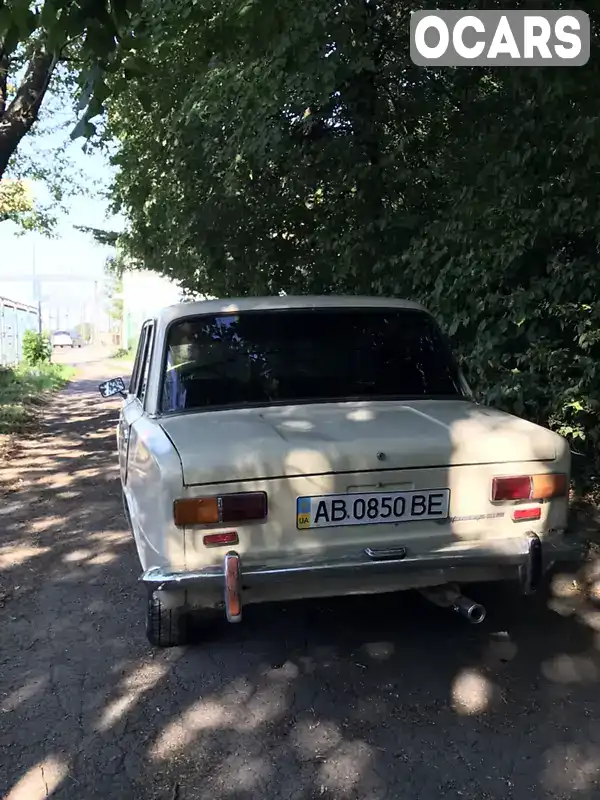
(124, 355)
(24, 389)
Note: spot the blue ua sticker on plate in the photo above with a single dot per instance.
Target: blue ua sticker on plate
(303, 512)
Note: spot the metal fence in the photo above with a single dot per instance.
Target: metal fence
(15, 319)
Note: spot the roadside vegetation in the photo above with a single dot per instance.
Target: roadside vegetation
(124, 354)
(25, 389)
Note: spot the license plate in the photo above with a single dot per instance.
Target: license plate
(331, 510)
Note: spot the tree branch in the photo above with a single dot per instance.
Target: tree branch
(16, 120)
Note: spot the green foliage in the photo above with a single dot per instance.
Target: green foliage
(76, 42)
(115, 266)
(37, 349)
(99, 235)
(36, 110)
(23, 390)
(44, 163)
(273, 147)
(124, 354)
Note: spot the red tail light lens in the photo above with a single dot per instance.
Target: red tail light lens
(242, 507)
(220, 539)
(529, 487)
(520, 514)
(511, 488)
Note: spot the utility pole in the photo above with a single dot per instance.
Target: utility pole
(37, 294)
(95, 314)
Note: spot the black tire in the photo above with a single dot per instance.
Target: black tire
(167, 627)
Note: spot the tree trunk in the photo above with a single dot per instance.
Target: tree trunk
(17, 119)
(4, 65)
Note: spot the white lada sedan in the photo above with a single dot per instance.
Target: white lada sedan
(293, 447)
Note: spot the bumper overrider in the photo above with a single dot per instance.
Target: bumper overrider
(525, 558)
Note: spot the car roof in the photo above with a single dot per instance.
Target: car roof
(190, 309)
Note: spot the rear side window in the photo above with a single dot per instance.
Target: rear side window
(145, 363)
(138, 363)
(299, 356)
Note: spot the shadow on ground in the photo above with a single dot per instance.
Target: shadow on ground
(383, 697)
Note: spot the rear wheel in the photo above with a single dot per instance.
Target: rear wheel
(166, 625)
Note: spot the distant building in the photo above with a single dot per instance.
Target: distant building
(15, 319)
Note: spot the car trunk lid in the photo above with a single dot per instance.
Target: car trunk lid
(314, 439)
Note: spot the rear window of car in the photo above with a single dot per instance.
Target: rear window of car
(303, 356)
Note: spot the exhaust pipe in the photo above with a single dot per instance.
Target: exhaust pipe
(473, 611)
(451, 597)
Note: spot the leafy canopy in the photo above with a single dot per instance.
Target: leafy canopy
(78, 41)
(290, 147)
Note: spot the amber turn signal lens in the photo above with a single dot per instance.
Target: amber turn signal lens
(196, 511)
(546, 486)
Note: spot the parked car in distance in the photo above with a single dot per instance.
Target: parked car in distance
(67, 339)
(291, 447)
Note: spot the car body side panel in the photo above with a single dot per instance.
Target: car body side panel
(130, 412)
(154, 479)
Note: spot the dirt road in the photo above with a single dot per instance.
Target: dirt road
(362, 698)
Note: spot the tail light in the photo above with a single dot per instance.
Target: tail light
(529, 487)
(220, 539)
(242, 507)
(511, 488)
(522, 514)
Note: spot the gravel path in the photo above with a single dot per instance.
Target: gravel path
(365, 698)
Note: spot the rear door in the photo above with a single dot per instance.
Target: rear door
(133, 408)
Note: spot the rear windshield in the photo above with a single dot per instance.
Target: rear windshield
(303, 356)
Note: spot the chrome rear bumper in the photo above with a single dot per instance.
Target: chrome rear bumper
(525, 558)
